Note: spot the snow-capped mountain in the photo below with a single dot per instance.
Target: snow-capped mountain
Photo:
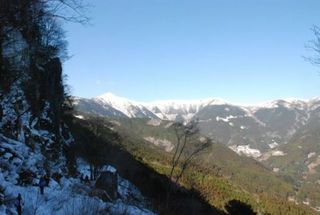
(180, 109)
(283, 134)
(260, 127)
(126, 106)
(113, 106)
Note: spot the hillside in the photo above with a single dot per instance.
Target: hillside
(252, 130)
(39, 174)
(281, 135)
(67, 155)
(219, 174)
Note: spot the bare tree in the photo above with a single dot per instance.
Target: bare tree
(314, 46)
(188, 145)
(69, 10)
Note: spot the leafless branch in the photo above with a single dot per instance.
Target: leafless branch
(314, 46)
(187, 147)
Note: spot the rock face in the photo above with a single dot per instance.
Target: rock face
(108, 181)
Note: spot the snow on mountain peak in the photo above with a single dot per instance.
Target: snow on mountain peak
(171, 109)
(164, 109)
(184, 104)
(290, 103)
(111, 98)
(124, 105)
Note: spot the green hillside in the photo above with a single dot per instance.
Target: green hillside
(218, 174)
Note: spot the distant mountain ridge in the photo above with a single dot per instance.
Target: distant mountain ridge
(249, 130)
(111, 105)
(283, 135)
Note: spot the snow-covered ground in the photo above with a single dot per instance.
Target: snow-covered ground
(24, 147)
(69, 196)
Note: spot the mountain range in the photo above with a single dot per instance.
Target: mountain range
(249, 130)
(282, 135)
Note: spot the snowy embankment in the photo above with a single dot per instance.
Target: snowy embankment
(69, 196)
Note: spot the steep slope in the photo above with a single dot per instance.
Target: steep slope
(152, 184)
(179, 110)
(282, 135)
(299, 163)
(219, 174)
(129, 108)
(35, 141)
(98, 108)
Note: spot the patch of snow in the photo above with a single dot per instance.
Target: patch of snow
(108, 168)
(312, 166)
(227, 119)
(306, 202)
(168, 146)
(117, 123)
(168, 125)
(188, 117)
(171, 117)
(311, 154)
(202, 139)
(276, 170)
(273, 144)
(83, 167)
(7, 155)
(246, 150)
(290, 103)
(154, 122)
(278, 153)
(129, 193)
(188, 106)
(79, 116)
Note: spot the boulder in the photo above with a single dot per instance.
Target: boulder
(108, 181)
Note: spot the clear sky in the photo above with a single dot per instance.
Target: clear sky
(244, 51)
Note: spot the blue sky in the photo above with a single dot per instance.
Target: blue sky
(244, 51)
